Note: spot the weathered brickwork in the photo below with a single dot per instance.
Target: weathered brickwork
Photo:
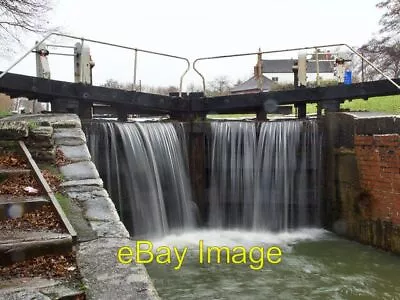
(378, 160)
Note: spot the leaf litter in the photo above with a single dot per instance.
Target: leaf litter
(45, 218)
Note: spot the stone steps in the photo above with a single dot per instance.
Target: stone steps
(12, 207)
(20, 245)
(40, 288)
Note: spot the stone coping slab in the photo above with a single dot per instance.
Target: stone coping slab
(103, 275)
(53, 120)
(106, 278)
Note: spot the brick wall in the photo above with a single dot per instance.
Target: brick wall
(378, 159)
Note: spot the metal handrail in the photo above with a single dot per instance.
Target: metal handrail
(107, 44)
(288, 50)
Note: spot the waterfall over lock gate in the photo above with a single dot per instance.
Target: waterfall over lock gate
(144, 170)
(263, 176)
(269, 182)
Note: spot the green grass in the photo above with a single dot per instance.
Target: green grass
(388, 104)
(218, 116)
(32, 125)
(5, 114)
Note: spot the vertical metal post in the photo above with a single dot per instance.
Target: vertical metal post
(259, 70)
(39, 73)
(81, 65)
(135, 70)
(317, 65)
(295, 70)
(362, 68)
(301, 110)
(319, 110)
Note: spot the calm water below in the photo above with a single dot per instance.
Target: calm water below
(315, 265)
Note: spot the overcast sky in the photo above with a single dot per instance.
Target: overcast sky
(196, 29)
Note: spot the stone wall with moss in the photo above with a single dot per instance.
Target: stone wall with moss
(86, 203)
(37, 131)
(362, 186)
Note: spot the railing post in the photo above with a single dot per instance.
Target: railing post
(135, 70)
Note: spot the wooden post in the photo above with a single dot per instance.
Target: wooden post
(38, 174)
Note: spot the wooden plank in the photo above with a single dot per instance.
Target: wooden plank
(17, 85)
(14, 171)
(254, 102)
(11, 199)
(15, 206)
(38, 174)
(18, 246)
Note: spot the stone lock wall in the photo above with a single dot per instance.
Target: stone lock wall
(38, 136)
(362, 184)
(89, 207)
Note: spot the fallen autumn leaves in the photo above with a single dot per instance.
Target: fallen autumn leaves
(48, 266)
(45, 218)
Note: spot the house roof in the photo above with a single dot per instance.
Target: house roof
(285, 66)
(252, 84)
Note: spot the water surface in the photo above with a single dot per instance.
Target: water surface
(315, 265)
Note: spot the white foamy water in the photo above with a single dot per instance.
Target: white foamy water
(315, 265)
(231, 238)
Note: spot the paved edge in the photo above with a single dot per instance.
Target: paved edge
(104, 277)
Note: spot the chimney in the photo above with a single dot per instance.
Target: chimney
(258, 67)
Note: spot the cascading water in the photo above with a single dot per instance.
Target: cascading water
(263, 177)
(232, 174)
(270, 184)
(145, 172)
(268, 181)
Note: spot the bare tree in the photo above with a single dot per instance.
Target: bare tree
(385, 54)
(192, 87)
(385, 50)
(219, 86)
(115, 84)
(19, 16)
(390, 20)
(161, 90)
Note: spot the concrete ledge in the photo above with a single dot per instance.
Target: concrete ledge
(113, 229)
(13, 130)
(106, 278)
(53, 120)
(76, 153)
(101, 209)
(80, 185)
(103, 275)
(69, 137)
(80, 171)
(38, 289)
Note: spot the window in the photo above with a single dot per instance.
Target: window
(275, 79)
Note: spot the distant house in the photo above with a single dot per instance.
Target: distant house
(251, 85)
(275, 71)
(257, 83)
(280, 70)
